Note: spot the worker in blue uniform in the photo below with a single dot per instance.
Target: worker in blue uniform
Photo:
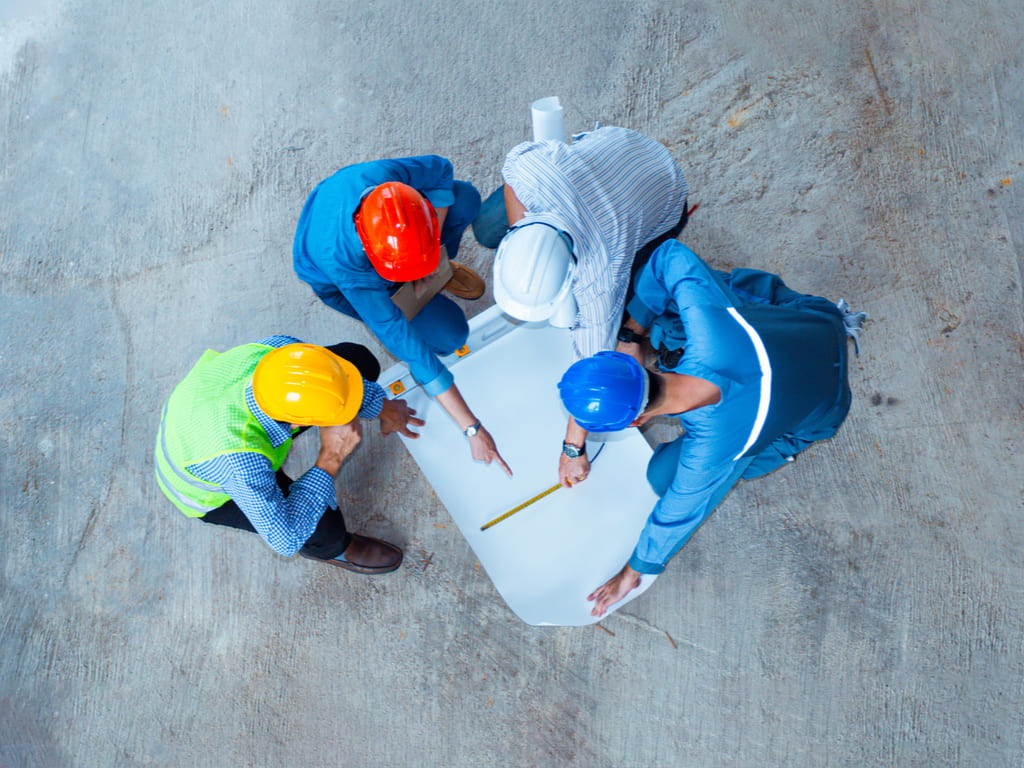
(374, 226)
(755, 371)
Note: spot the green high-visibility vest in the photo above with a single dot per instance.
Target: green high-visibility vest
(205, 417)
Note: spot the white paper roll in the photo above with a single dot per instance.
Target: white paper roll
(547, 119)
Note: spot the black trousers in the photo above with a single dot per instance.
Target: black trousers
(331, 537)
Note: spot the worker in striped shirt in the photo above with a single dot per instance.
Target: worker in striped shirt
(584, 217)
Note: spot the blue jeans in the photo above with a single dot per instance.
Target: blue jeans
(661, 470)
(460, 215)
(491, 223)
(442, 325)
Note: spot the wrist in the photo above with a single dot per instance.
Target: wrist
(629, 335)
(329, 462)
(473, 429)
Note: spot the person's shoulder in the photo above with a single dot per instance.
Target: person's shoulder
(615, 133)
(415, 161)
(543, 148)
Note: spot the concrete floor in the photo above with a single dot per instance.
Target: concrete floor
(862, 607)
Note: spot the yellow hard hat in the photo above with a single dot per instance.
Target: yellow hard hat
(307, 384)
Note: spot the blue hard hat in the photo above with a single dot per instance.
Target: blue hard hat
(604, 392)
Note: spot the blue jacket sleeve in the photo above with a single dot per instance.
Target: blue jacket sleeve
(402, 340)
(676, 274)
(693, 495)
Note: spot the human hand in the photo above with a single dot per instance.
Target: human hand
(420, 285)
(482, 446)
(572, 471)
(337, 443)
(396, 416)
(613, 590)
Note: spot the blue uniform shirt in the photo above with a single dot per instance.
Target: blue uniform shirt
(778, 358)
(329, 256)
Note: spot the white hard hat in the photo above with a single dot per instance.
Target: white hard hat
(533, 272)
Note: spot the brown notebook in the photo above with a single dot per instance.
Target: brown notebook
(411, 301)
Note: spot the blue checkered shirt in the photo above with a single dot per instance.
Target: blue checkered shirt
(284, 522)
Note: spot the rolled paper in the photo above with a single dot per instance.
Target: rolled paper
(548, 120)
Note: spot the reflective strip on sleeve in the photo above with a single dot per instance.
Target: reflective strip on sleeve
(766, 380)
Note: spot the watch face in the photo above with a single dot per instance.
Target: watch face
(571, 451)
(471, 431)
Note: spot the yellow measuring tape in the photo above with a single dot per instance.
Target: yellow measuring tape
(538, 497)
(524, 505)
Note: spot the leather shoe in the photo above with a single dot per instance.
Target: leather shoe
(465, 282)
(366, 555)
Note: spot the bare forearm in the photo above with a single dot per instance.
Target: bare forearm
(329, 461)
(575, 434)
(441, 213)
(632, 348)
(336, 444)
(633, 325)
(481, 444)
(453, 402)
(514, 209)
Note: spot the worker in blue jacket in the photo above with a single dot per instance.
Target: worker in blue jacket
(374, 226)
(755, 371)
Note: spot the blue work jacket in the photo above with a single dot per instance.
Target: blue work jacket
(779, 359)
(329, 256)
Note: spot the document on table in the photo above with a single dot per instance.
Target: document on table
(545, 559)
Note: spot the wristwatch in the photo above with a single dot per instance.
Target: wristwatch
(573, 451)
(629, 336)
(472, 429)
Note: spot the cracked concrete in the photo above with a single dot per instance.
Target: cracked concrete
(861, 607)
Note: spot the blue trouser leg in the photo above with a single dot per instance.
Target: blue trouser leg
(661, 471)
(442, 325)
(460, 214)
(491, 223)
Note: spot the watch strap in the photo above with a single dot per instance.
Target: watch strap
(629, 336)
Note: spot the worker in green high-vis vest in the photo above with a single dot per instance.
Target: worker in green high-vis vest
(227, 428)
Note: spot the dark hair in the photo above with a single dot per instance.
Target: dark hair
(655, 389)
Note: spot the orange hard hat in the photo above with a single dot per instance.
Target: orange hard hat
(398, 228)
(307, 384)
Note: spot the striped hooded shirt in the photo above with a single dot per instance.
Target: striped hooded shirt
(612, 191)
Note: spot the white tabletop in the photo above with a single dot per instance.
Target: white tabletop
(545, 559)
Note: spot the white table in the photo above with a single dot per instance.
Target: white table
(547, 558)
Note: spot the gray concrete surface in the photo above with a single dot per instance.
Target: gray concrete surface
(862, 607)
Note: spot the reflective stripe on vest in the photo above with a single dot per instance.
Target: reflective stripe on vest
(171, 491)
(185, 477)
